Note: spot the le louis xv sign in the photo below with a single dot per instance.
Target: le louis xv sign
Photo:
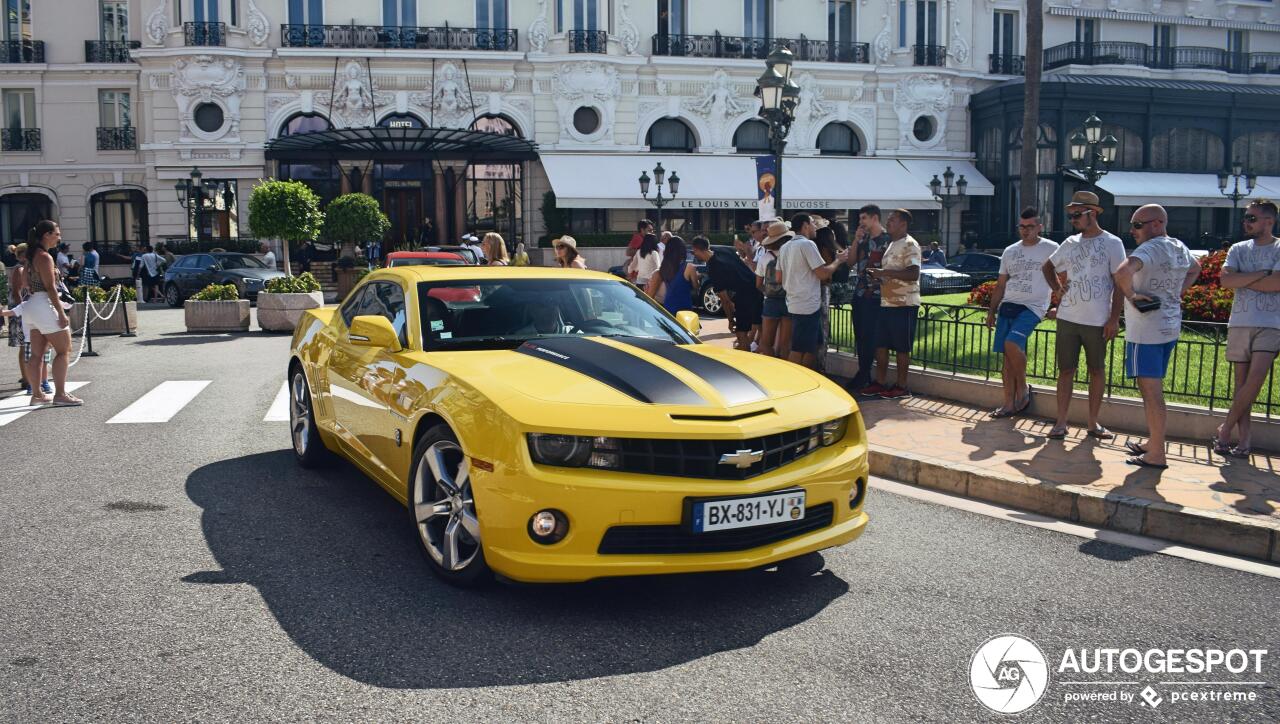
(743, 204)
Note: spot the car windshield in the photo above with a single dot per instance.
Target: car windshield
(240, 262)
(420, 261)
(495, 314)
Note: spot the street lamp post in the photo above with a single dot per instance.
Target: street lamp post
(659, 177)
(191, 195)
(949, 191)
(779, 96)
(1091, 153)
(1231, 178)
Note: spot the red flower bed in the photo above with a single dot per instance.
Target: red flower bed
(981, 294)
(1211, 268)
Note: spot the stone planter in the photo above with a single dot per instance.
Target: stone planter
(281, 312)
(111, 325)
(217, 316)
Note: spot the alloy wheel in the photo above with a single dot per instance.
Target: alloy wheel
(711, 301)
(444, 509)
(299, 414)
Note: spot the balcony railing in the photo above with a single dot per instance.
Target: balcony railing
(120, 138)
(934, 55)
(109, 51)
(1008, 64)
(19, 139)
(735, 46)
(588, 41)
(214, 34)
(397, 37)
(21, 51)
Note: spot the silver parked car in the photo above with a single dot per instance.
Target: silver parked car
(937, 279)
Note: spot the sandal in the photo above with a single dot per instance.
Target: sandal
(1026, 402)
(1142, 462)
(1219, 447)
(1101, 433)
(1135, 448)
(37, 401)
(68, 401)
(1001, 413)
(1239, 452)
(1057, 433)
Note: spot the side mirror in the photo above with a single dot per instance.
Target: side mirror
(212, 268)
(690, 322)
(370, 330)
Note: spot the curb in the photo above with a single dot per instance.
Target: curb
(1221, 532)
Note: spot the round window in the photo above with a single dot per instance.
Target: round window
(208, 117)
(586, 120)
(924, 128)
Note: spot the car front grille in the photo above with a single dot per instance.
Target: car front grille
(660, 539)
(701, 458)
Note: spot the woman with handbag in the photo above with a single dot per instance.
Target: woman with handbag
(44, 315)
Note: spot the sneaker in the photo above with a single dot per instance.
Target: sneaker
(875, 389)
(25, 387)
(46, 388)
(894, 393)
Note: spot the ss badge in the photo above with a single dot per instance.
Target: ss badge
(398, 438)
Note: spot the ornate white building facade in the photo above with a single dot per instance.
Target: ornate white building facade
(109, 103)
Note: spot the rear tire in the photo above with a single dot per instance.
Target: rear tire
(308, 448)
(442, 510)
(710, 301)
(171, 295)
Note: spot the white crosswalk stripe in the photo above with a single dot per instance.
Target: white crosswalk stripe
(16, 406)
(162, 403)
(279, 411)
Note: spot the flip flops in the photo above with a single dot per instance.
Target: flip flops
(1101, 433)
(1026, 402)
(68, 402)
(1135, 448)
(1057, 433)
(1142, 462)
(1002, 413)
(1219, 447)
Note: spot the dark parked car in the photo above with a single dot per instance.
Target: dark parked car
(194, 272)
(980, 267)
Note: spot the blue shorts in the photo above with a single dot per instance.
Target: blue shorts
(775, 307)
(1147, 360)
(1014, 329)
(806, 332)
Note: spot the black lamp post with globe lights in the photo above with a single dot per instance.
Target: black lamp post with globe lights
(1230, 179)
(659, 178)
(197, 195)
(779, 96)
(1091, 153)
(948, 191)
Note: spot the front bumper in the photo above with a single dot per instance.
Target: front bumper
(595, 501)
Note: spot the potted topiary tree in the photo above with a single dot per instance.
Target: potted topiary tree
(285, 210)
(284, 300)
(217, 308)
(350, 219)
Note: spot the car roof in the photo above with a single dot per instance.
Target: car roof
(422, 273)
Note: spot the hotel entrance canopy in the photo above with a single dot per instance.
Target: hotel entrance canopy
(401, 144)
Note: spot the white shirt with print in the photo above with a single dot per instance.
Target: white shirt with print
(1165, 262)
(1252, 308)
(1026, 284)
(1089, 264)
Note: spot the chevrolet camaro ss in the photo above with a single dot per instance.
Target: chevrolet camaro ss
(557, 425)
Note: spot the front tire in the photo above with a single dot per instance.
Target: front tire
(442, 509)
(308, 448)
(710, 301)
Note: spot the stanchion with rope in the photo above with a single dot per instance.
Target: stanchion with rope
(88, 326)
(90, 313)
(127, 332)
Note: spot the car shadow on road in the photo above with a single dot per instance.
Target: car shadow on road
(337, 563)
(173, 339)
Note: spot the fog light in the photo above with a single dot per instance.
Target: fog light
(857, 494)
(548, 526)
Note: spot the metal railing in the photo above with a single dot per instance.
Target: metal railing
(117, 138)
(1164, 57)
(740, 47)
(397, 37)
(19, 139)
(955, 339)
(933, 55)
(109, 51)
(1001, 64)
(209, 34)
(21, 51)
(588, 41)
(189, 245)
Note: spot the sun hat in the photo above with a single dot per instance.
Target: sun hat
(566, 240)
(778, 233)
(1084, 198)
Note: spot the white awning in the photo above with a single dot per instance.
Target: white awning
(1135, 188)
(924, 169)
(850, 183)
(612, 180)
(1268, 186)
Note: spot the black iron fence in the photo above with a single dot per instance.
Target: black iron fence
(588, 41)
(955, 339)
(21, 51)
(121, 138)
(397, 37)
(1001, 64)
(736, 46)
(934, 55)
(1167, 57)
(109, 51)
(19, 139)
(208, 34)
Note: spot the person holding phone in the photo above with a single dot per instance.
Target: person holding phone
(1152, 281)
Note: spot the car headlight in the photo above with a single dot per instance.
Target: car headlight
(834, 431)
(575, 451)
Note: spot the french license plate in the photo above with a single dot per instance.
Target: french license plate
(729, 513)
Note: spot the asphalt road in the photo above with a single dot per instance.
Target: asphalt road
(188, 570)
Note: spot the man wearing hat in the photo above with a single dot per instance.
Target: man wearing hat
(1082, 271)
(775, 297)
(472, 242)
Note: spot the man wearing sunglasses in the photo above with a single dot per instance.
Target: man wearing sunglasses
(1160, 270)
(1082, 270)
(1253, 332)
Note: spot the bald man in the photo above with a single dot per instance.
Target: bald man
(1152, 281)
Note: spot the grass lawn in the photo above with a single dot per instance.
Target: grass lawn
(956, 339)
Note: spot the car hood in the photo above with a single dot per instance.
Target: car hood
(625, 375)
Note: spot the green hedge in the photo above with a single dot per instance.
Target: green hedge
(217, 293)
(304, 283)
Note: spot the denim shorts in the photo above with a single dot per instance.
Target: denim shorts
(806, 332)
(775, 307)
(1014, 329)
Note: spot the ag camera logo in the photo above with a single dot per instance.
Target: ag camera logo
(1008, 674)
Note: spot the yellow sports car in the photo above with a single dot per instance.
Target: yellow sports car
(556, 425)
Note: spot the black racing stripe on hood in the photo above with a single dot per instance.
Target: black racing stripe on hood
(735, 387)
(616, 368)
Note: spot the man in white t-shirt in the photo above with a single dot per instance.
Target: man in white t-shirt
(1082, 271)
(1019, 302)
(802, 271)
(1160, 270)
(268, 256)
(1253, 333)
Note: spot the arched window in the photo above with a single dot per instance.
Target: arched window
(671, 135)
(1046, 151)
(20, 212)
(401, 120)
(117, 221)
(1129, 151)
(1259, 152)
(304, 123)
(752, 137)
(500, 125)
(1187, 149)
(838, 139)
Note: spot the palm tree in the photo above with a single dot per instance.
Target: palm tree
(1027, 170)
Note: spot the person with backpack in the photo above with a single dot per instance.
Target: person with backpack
(774, 302)
(735, 284)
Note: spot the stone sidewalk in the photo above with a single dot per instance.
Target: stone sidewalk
(1222, 504)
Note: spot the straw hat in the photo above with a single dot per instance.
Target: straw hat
(1084, 198)
(778, 233)
(566, 240)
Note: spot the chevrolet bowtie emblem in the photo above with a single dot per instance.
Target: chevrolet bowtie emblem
(742, 459)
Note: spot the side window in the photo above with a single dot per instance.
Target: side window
(204, 261)
(391, 305)
(351, 309)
